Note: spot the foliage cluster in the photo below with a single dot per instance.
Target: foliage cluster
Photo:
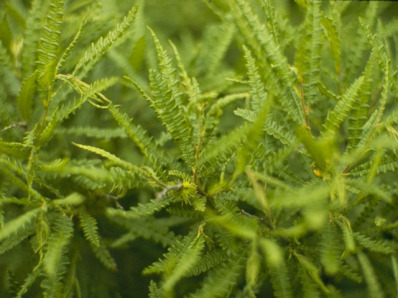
(255, 154)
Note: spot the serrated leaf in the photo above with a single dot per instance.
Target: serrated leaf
(73, 199)
(25, 96)
(19, 223)
(90, 228)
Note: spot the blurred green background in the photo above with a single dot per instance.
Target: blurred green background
(185, 22)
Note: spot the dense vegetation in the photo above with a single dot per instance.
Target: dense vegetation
(252, 154)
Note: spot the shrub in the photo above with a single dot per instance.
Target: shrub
(258, 154)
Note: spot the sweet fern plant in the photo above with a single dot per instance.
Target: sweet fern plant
(252, 155)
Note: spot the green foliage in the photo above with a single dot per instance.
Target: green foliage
(254, 155)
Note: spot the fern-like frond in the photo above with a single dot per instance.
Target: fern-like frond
(271, 126)
(87, 92)
(312, 271)
(257, 91)
(6, 73)
(148, 228)
(154, 290)
(188, 257)
(216, 110)
(21, 222)
(69, 49)
(167, 103)
(169, 260)
(13, 283)
(238, 225)
(351, 273)
(91, 91)
(309, 54)
(73, 199)
(299, 197)
(90, 228)
(278, 271)
(92, 132)
(113, 158)
(183, 76)
(254, 137)
(387, 164)
(46, 133)
(253, 268)
(221, 279)
(102, 45)
(139, 136)
(219, 151)
(208, 260)
(337, 116)
(14, 149)
(142, 209)
(104, 256)
(28, 282)
(48, 49)
(31, 37)
(92, 176)
(15, 238)
(379, 246)
(358, 43)
(370, 276)
(309, 287)
(57, 243)
(385, 92)
(375, 39)
(369, 188)
(359, 113)
(215, 43)
(330, 249)
(25, 96)
(263, 45)
(332, 25)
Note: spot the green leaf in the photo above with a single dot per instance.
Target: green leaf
(113, 158)
(370, 276)
(25, 96)
(253, 266)
(279, 272)
(330, 249)
(15, 149)
(337, 116)
(187, 258)
(102, 253)
(220, 280)
(309, 53)
(9, 80)
(312, 270)
(379, 246)
(57, 243)
(19, 223)
(31, 37)
(73, 199)
(215, 43)
(90, 228)
(167, 102)
(154, 291)
(48, 49)
(137, 55)
(257, 87)
(263, 45)
(141, 209)
(102, 45)
(395, 270)
(139, 136)
(216, 153)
